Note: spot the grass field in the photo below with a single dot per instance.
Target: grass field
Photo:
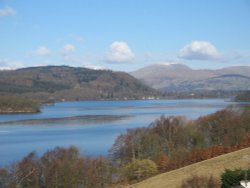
(214, 166)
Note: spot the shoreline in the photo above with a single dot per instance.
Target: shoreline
(80, 119)
(20, 112)
(36, 111)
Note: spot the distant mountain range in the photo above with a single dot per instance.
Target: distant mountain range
(181, 78)
(57, 83)
(68, 83)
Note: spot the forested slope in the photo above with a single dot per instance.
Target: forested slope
(69, 83)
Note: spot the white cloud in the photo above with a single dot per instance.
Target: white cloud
(43, 51)
(199, 50)
(68, 49)
(68, 53)
(8, 11)
(119, 52)
(7, 64)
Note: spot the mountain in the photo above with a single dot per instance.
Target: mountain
(68, 83)
(181, 78)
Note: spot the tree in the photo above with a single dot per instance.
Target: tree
(6, 179)
(179, 158)
(100, 173)
(151, 146)
(129, 146)
(26, 172)
(246, 117)
(58, 167)
(163, 162)
(224, 127)
(232, 178)
(168, 128)
(243, 97)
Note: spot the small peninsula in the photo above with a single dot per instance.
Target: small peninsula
(11, 104)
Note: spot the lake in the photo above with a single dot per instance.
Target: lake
(92, 126)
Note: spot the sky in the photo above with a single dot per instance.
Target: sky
(124, 35)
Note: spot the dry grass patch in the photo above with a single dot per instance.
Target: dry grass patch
(214, 166)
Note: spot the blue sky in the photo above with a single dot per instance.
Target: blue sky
(124, 34)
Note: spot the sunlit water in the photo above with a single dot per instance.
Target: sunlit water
(92, 138)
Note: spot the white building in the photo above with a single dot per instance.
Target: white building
(245, 184)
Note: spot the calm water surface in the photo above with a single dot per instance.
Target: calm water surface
(93, 137)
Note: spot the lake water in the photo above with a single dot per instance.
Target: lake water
(92, 137)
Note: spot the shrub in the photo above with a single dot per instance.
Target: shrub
(196, 181)
(139, 169)
(232, 178)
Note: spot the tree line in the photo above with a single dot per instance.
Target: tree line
(168, 143)
(57, 168)
(243, 96)
(173, 142)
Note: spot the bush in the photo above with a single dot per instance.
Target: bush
(196, 181)
(139, 169)
(233, 177)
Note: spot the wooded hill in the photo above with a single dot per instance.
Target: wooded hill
(68, 83)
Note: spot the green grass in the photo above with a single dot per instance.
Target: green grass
(214, 166)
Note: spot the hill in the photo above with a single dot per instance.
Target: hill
(214, 166)
(181, 78)
(69, 83)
